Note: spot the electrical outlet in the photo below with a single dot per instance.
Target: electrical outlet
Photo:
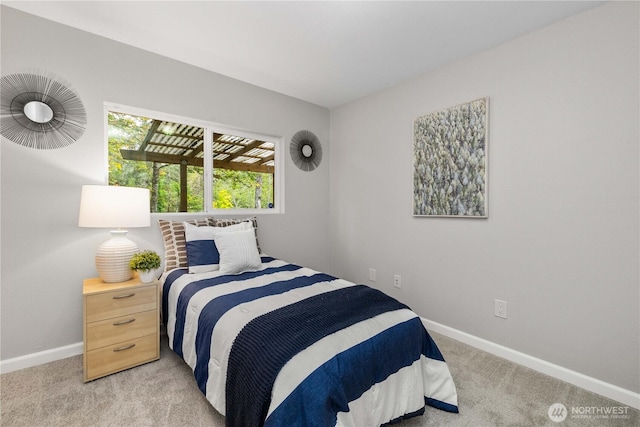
(372, 274)
(500, 309)
(397, 281)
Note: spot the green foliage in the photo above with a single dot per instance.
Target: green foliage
(237, 189)
(127, 132)
(145, 260)
(231, 189)
(222, 199)
(195, 184)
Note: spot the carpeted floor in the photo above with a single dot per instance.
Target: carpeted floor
(491, 392)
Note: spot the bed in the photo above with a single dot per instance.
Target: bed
(277, 344)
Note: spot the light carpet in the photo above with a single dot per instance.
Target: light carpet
(491, 392)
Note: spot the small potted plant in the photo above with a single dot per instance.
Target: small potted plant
(145, 263)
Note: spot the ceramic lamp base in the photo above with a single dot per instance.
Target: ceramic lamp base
(113, 256)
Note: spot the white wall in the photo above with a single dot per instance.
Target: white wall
(561, 244)
(45, 256)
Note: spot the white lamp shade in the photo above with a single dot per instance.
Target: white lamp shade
(108, 206)
(114, 207)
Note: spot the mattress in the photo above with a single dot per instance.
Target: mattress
(290, 346)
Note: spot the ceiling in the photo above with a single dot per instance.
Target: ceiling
(325, 52)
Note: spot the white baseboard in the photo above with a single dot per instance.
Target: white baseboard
(35, 359)
(594, 385)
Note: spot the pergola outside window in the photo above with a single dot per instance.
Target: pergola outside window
(169, 158)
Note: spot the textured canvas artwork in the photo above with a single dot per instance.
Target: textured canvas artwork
(450, 162)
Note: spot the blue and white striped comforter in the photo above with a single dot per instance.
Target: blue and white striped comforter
(288, 346)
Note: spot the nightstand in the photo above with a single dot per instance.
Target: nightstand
(121, 326)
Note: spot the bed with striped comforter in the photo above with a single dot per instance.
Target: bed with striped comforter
(289, 346)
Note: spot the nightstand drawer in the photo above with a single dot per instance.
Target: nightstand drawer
(123, 328)
(107, 360)
(120, 303)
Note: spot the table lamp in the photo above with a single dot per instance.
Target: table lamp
(108, 206)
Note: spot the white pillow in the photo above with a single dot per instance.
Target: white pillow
(238, 252)
(202, 253)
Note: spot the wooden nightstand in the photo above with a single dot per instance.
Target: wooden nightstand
(121, 326)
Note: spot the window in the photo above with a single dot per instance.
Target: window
(242, 172)
(191, 166)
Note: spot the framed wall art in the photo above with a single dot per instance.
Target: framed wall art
(450, 162)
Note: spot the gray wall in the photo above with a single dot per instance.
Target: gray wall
(561, 244)
(45, 256)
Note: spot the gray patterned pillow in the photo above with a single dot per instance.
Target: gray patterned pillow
(225, 222)
(175, 246)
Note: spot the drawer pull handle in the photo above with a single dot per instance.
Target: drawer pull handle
(123, 296)
(124, 322)
(126, 347)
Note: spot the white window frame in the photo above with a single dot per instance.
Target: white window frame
(209, 129)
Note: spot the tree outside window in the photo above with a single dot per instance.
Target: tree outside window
(168, 158)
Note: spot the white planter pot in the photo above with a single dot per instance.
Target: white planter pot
(146, 276)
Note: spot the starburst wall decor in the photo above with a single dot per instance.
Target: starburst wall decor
(305, 150)
(39, 112)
